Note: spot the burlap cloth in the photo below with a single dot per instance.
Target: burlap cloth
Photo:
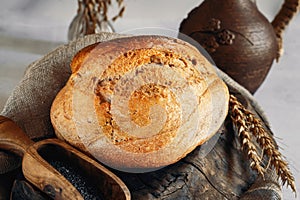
(223, 174)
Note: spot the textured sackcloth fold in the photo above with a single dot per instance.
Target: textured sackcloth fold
(223, 173)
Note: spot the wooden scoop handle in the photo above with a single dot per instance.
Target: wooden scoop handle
(12, 138)
(40, 173)
(35, 169)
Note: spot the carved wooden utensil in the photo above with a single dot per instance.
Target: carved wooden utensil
(40, 158)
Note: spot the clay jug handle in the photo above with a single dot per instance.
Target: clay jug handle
(12, 138)
(288, 9)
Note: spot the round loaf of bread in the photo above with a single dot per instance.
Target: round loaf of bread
(139, 103)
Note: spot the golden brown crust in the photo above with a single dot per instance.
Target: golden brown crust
(140, 102)
(80, 57)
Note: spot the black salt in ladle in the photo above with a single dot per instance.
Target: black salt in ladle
(58, 169)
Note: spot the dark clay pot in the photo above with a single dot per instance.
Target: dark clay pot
(240, 40)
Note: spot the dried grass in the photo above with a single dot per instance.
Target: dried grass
(96, 10)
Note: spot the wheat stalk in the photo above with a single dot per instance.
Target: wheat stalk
(245, 121)
(270, 149)
(237, 117)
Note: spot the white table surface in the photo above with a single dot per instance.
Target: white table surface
(31, 28)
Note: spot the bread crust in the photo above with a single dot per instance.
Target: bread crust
(174, 101)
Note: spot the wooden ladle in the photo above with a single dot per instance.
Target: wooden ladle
(37, 169)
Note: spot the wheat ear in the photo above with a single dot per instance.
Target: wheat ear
(248, 146)
(248, 124)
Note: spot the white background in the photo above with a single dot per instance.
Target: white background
(23, 22)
